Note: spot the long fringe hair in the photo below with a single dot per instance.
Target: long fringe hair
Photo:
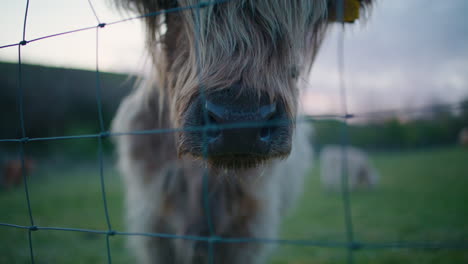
(263, 45)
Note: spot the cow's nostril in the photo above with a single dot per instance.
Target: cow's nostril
(215, 112)
(214, 131)
(267, 112)
(269, 115)
(265, 134)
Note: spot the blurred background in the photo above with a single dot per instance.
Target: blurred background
(406, 74)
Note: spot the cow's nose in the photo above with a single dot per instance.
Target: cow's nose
(244, 124)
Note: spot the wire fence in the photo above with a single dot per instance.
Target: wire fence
(351, 244)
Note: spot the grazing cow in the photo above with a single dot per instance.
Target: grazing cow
(13, 172)
(360, 172)
(231, 67)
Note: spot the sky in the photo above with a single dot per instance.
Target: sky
(406, 54)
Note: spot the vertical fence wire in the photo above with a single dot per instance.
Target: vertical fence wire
(24, 139)
(94, 11)
(102, 135)
(198, 34)
(344, 135)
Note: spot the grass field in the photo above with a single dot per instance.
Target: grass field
(422, 197)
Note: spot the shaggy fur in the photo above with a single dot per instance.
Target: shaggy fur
(360, 172)
(261, 46)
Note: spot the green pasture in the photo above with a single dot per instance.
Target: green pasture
(422, 197)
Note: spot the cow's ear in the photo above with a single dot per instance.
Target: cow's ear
(351, 11)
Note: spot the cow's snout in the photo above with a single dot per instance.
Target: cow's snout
(242, 128)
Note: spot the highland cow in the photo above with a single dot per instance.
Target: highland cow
(360, 173)
(225, 76)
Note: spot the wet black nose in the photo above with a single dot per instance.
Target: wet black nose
(239, 130)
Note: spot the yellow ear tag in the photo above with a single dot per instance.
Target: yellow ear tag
(351, 12)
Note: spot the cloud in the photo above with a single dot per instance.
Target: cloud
(408, 52)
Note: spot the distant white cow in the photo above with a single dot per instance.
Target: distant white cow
(361, 173)
(463, 137)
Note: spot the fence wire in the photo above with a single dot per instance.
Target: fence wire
(351, 244)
